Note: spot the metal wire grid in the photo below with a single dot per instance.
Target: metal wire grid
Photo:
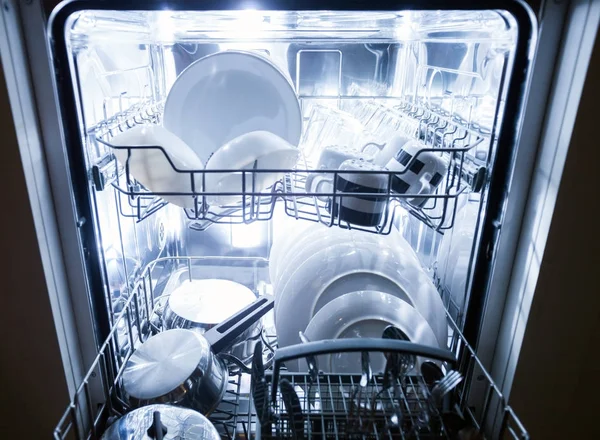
(86, 419)
(477, 398)
(439, 133)
(332, 410)
(337, 407)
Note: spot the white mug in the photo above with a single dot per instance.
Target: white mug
(421, 172)
(356, 209)
(330, 159)
(388, 150)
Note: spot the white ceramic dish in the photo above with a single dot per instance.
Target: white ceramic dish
(301, 241)
(348, 267)
(291, 230)
(319, 237)
(455, 254)
(227, 94)
(150, 166)
(254, 150)
(465, 219)
(365, 314)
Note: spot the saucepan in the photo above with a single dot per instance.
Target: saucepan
(200, 305)
(160, 422)
(182, 366)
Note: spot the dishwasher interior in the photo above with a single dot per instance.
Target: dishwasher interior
(437, 76)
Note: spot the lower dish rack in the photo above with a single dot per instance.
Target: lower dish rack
(330, 403)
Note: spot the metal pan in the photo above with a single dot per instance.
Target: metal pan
(200, 305)
(181, 366)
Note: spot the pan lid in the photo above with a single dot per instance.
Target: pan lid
(209, 301)
(174, 422)
(164, 363)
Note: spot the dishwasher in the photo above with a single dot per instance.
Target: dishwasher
(448, 79)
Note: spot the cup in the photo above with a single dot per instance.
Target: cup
(388, 150)
(420, 172)
(331, 158)
(356, 209)
(328, 125)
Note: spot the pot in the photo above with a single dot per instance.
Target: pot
(181, 366)
(200, 305)
(164, 422)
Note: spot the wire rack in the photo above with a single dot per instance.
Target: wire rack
(100, 399)
(92, 410)
(333, 409)
(337, 406)
(439, 131)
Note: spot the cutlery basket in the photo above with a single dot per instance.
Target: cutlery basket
(341, 406)
(338, 406)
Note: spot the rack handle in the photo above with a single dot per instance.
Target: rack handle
(350, 345)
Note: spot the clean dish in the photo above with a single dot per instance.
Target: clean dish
(312, 242)
(151, 167)
(426, 172)
(255, 150)
(365, 314)
(455, 249)
(286, 232)
(227, 94)
(360, 209)
(347, 267)
(291, 250)
(389, 149)
(332, 156)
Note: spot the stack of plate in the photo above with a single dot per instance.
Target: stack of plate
(337, 283)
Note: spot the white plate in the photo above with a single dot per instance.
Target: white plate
(366, 265)
(150, 166)
(357, 267)
(318, 237)
(455, 251)
(227, 94)
(262, 149)
(286, 231)
(365, 314)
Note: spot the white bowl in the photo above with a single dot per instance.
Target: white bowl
(254, 150)
(230, 93)
(364, 314)
(150, 166)
(347, 267)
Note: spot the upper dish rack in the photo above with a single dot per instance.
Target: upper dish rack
(438, 128)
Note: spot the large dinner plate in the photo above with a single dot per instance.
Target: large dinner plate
(348, 267)
(227, 94)
(365, 314)
(316, 238)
